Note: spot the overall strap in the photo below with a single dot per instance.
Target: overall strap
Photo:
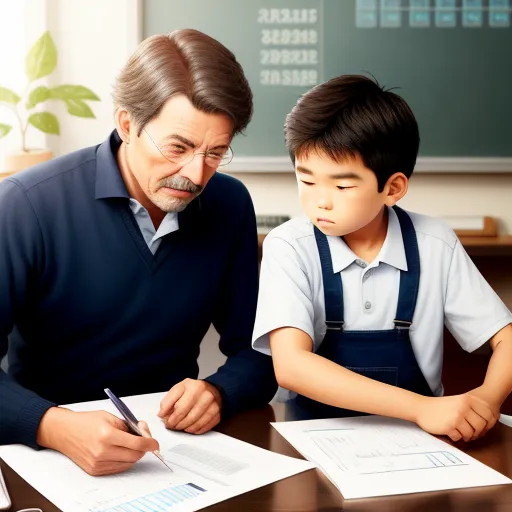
(410, 279)
(333, 289)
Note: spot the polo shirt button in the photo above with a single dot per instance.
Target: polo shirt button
(361, 263)
(367, 304)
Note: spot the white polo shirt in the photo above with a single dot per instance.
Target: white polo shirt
(452, 291)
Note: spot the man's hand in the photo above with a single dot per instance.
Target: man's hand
(96, 441)
(459, 417)
(192, 406)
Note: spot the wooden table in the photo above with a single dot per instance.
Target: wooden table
(311, 491)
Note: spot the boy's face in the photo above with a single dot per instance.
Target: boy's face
(339, 198)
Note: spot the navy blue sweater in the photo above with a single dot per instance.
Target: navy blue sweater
(85, 305)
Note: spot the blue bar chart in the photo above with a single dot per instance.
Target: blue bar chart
(160, 501)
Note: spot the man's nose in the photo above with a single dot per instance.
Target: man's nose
(194, 170)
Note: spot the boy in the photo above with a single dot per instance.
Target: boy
(353, 298)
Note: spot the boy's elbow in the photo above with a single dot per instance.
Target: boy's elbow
(286, 374)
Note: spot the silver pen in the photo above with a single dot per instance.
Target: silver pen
(132, 422)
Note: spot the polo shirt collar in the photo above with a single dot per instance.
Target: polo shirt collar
(109, 182)
(391, 253)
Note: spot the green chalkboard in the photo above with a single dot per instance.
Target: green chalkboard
(450, 59)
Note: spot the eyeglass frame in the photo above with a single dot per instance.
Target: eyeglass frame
(194, 154)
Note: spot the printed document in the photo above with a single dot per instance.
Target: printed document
(207, 469)
(371, 456)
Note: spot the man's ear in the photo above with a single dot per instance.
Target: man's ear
(125, 127)
(396, 187)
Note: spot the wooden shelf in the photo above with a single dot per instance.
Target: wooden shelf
(487, 246)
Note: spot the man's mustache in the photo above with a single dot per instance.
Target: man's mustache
(180, 183)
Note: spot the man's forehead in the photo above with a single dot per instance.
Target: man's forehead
(179, 116)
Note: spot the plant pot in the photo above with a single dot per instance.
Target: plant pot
(15, 162)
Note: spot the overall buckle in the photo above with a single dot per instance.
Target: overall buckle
(335, 325)
(402, 324)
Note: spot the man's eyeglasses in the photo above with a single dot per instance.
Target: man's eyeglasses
(180, 154)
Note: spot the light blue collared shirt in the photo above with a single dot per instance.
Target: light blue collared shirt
(152, 236)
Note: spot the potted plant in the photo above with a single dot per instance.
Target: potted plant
(40, 61)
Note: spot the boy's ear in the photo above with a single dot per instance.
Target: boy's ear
(395, 188)
(123, 124)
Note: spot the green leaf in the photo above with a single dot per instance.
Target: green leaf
(45, 122)
(4, 129)
(42, 58)
(38, 95)
(79, 108)
(72, 92)
(8, 96)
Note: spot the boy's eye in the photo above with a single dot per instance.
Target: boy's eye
(339, 187)
(307, 182)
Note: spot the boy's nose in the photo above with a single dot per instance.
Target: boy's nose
(324, 203)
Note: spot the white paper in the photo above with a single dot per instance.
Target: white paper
(207, 469)
(371, 456)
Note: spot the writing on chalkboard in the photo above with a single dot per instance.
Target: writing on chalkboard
(290, 54)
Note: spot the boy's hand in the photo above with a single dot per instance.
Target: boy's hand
(459, 417)
(482, 394)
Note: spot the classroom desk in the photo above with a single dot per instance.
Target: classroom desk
(311, 491)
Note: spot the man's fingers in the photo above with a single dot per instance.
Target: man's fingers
(214, 422)
(144, 428)
(198, 410)
(107, 468)
(132, 442)
(117, 423)
(116, 454)
(181, 409)
(207, 421)
(170, 399)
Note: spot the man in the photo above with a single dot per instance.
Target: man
(116, 259)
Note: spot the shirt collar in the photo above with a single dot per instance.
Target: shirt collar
(341, 254)
(109, 182)
(391, 253)
(169, 224)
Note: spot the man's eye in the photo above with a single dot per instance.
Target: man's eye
(174, 149)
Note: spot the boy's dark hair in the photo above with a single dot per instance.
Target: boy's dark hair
(353, 115)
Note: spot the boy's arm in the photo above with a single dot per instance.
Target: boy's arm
(299, 369)
(497, 384)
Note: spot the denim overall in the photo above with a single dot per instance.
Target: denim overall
(386, 355)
